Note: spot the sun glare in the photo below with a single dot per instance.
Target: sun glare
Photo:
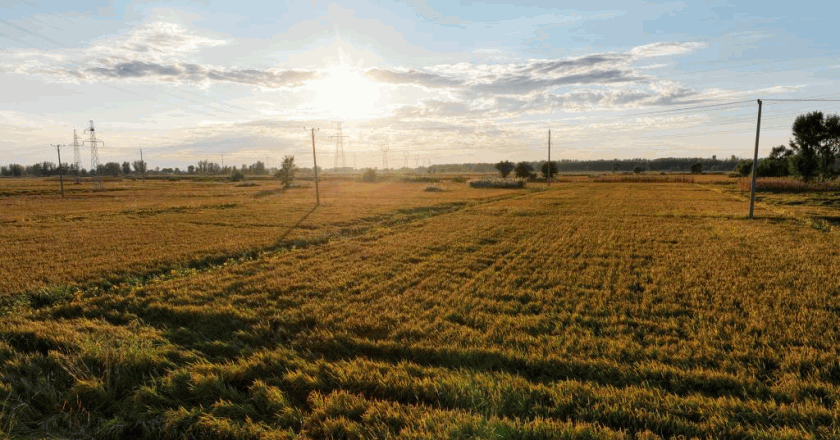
(345, 94)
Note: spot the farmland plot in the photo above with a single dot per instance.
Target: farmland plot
(606, 310)
(134, 229)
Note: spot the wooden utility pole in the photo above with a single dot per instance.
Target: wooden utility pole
(60, 170)
(548, 176)
(755, 160)
(315, 166)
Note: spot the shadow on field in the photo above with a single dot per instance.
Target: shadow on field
(834, 220)
(297, 223)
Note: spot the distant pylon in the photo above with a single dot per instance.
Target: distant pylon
(77, 156)
(405, 158)
(385, 156)
(94, 154)
(339, 147)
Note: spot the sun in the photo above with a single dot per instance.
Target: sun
(344, 93)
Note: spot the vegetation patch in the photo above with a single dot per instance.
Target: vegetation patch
(497, 183)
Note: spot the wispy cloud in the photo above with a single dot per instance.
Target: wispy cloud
(411, 76)
(153, 52)
(193, 73)
(661, 49)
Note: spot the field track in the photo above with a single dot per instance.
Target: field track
(608, 310)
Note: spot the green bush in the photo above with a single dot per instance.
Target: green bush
(697, 168)
(744, 168)
(236, 175)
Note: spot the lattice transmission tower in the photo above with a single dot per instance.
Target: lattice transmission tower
(385, 156)
(77, 155)
(94, 154)
(340, 160)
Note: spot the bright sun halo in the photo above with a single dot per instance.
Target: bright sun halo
(344, 93)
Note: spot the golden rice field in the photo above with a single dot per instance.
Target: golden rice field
(134, 229)
(589, 310)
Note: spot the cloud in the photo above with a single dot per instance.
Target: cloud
(587, 62)
(411, 76)
(155, 41)
(193, 73)
(525, 84)
(153, 52)
(135, 69)
(665, 49)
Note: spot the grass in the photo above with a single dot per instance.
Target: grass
(586, 311)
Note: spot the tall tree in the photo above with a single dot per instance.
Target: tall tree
(814, 151)
(523, 170)
(140, 166)
(544, 169)
(287, 171)
(505, 167)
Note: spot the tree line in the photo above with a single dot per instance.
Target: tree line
(116, 169)
(812, 153)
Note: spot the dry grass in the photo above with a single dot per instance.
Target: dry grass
(588, 311)
(136, 228)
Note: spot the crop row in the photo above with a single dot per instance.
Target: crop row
(590, 311)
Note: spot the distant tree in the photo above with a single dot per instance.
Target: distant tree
(544, 169)
(257, 168)
(523, 170)
(505, 167)
(190, 169)
(638, 170)
(236, 175)
(616, 166)
(287, 171)
(697, 168)
(744, 168)
(140, 166)
(126, 168)
(109, 169)
(775, 165)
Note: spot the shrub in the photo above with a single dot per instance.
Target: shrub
(744, 168)
(697, 168)
(507, 184)
(236, 175)
(369, 175)
(638, 170)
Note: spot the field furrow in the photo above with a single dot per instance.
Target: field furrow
(590, 310)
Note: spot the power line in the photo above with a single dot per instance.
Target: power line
(804, 100)
(687, 108)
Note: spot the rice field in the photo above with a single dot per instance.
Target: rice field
(609, 310)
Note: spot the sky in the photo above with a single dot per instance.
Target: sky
(432, 82)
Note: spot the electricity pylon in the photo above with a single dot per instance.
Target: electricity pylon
(385, 157)
(94, 155)
(77, 156)
(339, 147)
